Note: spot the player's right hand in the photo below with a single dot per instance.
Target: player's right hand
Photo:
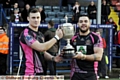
(59, 33)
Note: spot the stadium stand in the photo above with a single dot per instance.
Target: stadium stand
(37, 6)
(56, 8)
(51, 14)
(113, 2)
(47, 19)
(56, 20)
(69, 15)
(48, 8)
(64, 9)
(46, 13)
(83, 10)
(118, 6)
(62, 20)
(60, 14)
(115, 9)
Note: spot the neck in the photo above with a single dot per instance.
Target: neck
(86, 33)
(33, 28)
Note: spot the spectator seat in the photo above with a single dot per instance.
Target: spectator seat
(51, 14)
(48, 8)
(60, 14)
(64, 9)
(56, 8)
(62, 21)
(47, 19)
(56, 20)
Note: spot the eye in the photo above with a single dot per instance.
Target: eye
(86, 21)
(33, 17)
(81, 21)
(38, 17)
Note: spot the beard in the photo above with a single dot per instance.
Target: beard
(83, 31)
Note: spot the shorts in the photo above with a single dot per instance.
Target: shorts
(84, 76)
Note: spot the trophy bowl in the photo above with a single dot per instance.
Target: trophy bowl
(68, 32)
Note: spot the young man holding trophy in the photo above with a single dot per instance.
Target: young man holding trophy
(34, 48)
(89, 49)
(86, 48)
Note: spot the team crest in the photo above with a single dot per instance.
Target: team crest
(82, 39)
(29, 38)
(82, 49)
(88, 42)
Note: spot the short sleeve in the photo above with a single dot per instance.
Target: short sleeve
(99, 42)
(29, 39)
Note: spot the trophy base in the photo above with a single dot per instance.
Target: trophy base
(68, 56)
(68, 53)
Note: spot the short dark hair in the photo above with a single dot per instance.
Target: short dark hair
(51, 23)
(33, 10)
(84, 16)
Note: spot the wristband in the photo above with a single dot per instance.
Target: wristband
(53, 58)
(56, 37)
(94, 56)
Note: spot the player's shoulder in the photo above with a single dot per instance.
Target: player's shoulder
(27, 31)
(75, 36)
(95, 36)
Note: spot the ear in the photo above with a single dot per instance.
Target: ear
(90, 22)
(28, 18)
(77, 23)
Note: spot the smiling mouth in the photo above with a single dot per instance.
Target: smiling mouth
(83, 26)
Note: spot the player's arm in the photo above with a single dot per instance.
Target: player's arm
(43, 46)
(98, 51)
(52, 58)
(96, 56)
(47, 45)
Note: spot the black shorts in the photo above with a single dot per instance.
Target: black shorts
(84, 76)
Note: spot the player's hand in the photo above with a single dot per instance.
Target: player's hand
(78, 55)
(62, 53)
(59, 33)
(58, 58)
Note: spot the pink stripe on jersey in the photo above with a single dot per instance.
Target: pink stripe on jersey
(38, 64)
(26, 32)
(92, 39)
(75, 68)
(96, 68)
(73, 37)
(99, 43)
(29, 59)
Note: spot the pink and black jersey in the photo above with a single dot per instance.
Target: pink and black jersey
(33, 62)
(85, 44)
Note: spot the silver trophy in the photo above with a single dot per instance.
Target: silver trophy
(68, 33)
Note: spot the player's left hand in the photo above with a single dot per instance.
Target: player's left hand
(58, 58)
(78, 55)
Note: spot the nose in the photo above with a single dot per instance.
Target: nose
(36, 19)
(83, 22)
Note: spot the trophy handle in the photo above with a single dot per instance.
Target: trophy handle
(59, 26)
(66, 18)
(68, 41)
(74, 28)
(59, 50)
